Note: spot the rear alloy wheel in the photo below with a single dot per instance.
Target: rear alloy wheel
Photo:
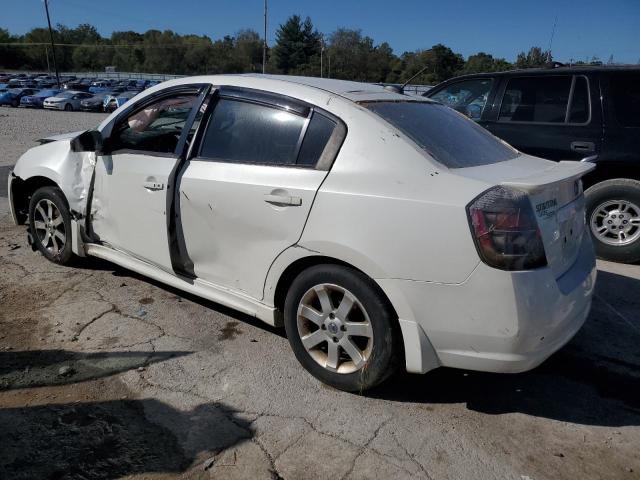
(341, 327)
(50, 224)
(613, 215)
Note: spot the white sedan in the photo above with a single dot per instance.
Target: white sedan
(68, 100)
(380, 229)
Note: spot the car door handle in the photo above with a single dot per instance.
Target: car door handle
(281, 200)
(153, 185)
(583, 146)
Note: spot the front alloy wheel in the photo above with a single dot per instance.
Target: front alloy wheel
(341, 327)
(50, 224)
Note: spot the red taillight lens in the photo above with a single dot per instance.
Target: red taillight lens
(505, 230)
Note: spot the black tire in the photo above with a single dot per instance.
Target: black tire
(68, 107)
(382, 358)
(623, 189)
(15, 102)
(62, 254)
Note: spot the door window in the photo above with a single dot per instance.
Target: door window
(468, 97)
(315, 140)
(536, 99)
(244, 132)
(625, 97)
(156, 127)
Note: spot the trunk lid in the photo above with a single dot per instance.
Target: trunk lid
(556, 196)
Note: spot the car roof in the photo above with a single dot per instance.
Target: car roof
(354, 91)
(575, 69)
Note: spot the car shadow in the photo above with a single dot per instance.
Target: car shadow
(594, 380)
(113, 439)
(40, 368)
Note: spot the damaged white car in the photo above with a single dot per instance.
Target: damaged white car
(380, 229)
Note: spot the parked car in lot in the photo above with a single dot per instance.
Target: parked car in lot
(591, 114)
(96, 102)
(37, 99)
(380, 228)
(68, 100)
(13, 96)
(112, 102)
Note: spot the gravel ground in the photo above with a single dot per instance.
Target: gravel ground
(105, 374)
(21, 127)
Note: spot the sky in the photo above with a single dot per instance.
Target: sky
(584, 28)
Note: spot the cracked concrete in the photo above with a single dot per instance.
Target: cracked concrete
(166, 385)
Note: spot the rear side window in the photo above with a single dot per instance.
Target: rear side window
(446, 135)
(318, 133)
(243, 132)
(536, 99)
(625, 98)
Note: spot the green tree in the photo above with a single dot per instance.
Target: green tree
(536, 57)
(484, 62)
(297, 46)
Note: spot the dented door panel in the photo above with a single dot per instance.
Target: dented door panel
(237, 218)
(128, 208)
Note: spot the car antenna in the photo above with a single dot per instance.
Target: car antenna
(400, 90)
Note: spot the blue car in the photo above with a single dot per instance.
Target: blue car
(37, 100)
(13, 96)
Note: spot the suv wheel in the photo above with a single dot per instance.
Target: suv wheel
(341, 328)
(50, 224)
(613, 216)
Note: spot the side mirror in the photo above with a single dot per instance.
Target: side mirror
(89, 141)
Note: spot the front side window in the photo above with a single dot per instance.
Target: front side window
(468, 97)
(536, 99)
(447, 136)
(625, 98)
(156, 127)
(244, 132)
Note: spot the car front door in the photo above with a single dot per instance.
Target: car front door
(132, 175)
(549, 116)
(245, 195)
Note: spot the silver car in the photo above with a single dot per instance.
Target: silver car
(67, 100)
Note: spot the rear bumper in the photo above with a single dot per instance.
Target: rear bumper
(498, 321)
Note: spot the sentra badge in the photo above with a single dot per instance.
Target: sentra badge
(545, 209)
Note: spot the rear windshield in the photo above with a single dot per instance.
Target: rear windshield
(443, 133)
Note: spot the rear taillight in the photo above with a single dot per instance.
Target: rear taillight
(505, 230)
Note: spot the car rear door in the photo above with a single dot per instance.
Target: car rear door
(245, 194)
(133, 174)
(550, 116)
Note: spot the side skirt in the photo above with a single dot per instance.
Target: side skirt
(195, 286)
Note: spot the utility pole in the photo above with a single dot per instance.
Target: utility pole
(46, 53)
(264, 45)
(321, 54)
(53, 48)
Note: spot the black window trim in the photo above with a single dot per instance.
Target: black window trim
(279, 102)
(503, 90)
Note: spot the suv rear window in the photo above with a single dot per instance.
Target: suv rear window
(446, 135)
(625, 97)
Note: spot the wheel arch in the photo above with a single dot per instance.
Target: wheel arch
(610, 170)
(417, 353)
(21, 192)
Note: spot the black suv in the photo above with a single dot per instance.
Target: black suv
(589, 114)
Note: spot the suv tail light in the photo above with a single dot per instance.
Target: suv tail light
(505, 230)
